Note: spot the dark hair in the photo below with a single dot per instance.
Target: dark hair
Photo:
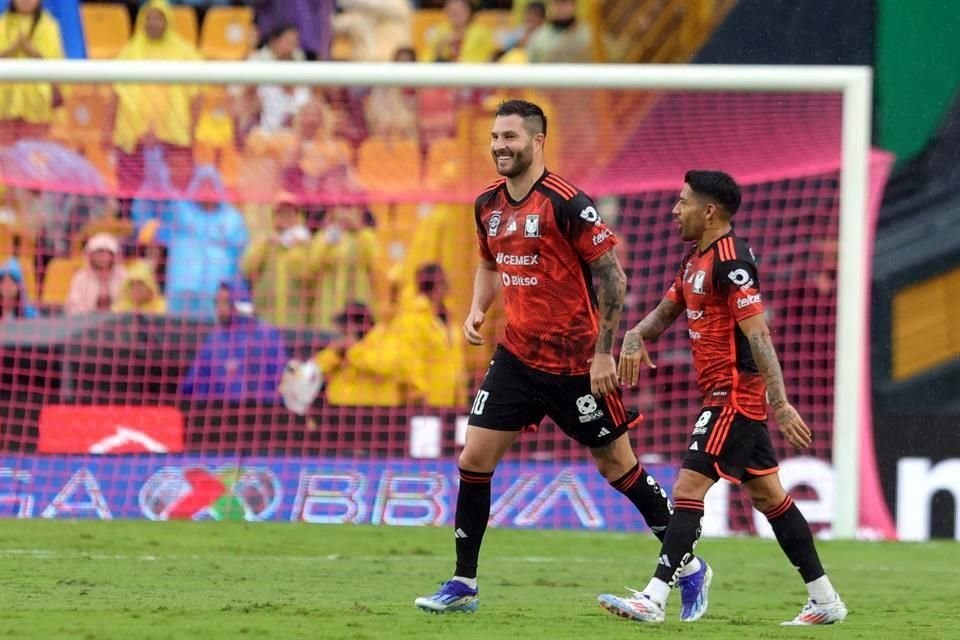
(408, 50)
(278, 31)
(429, 277)
(469, 3)
(18, 305)
(716, 184)
(532, 114)
(537, 6)
(37, 14)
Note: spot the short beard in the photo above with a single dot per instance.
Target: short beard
(520, 165)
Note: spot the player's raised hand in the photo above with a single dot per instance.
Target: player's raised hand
(633, 356)
(471, 326)
(793, 427)
(603, 374)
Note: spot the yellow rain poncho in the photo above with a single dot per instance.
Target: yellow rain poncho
(415, 357)
(140, 271)
(164, 109)
(30, 102)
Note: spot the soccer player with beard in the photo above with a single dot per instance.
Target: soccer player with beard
(543, 244)
(739, 374)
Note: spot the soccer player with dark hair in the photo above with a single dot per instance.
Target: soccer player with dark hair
(544, 245)
(739, 375)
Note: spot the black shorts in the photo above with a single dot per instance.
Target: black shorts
(514, 396)
(727, 444)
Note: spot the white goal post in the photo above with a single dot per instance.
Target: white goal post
(854, 83)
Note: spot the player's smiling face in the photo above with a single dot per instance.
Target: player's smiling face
(690, 214)
(511, 145)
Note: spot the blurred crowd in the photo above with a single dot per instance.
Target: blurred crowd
(215, 202)
(157, 228)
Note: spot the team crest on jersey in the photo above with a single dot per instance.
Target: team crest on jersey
(494, 224)
(531, 227)
(698, 279)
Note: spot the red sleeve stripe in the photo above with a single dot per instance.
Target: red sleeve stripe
(727, 251)
(562, 188)
(719, 431)
(490, 187)
(563, 183)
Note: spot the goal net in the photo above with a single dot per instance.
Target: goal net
(173, 246)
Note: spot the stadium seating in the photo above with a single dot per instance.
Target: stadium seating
(424, 21)
(227, 33)
(388, 165)
(446, 164)
(106, 28)
(185, 22)
(56, 279)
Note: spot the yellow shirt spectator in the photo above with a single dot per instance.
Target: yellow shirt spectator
(342, 260)
(32, 34)
(165, 111)
(275, 265)
(139, 292)
(415, 357)
(461, 39)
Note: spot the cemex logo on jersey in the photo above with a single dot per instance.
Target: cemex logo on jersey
(694, 314)
(753, 298)
(587, 406)
(518, 261)
(494, 224)
(110, 429)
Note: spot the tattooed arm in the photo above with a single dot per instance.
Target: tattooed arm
(765, 356)
(634, 351)
(611, 289)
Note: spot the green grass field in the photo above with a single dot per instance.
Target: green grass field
(91, 580)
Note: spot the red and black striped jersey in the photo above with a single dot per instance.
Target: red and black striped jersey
(542, 246)
(718, 287)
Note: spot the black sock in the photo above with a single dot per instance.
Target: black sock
(647, 496)
(682, 536)
(796, 540)
(473, 511)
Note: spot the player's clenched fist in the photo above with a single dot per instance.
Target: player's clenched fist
(632, 356)
(603, 375)
(471, 327)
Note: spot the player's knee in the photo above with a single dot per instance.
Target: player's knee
(472, 460)
(611, 468)
(691, 486)
(765, 498)
(613, 460)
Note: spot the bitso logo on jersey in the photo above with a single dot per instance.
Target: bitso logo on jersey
(531, 227)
